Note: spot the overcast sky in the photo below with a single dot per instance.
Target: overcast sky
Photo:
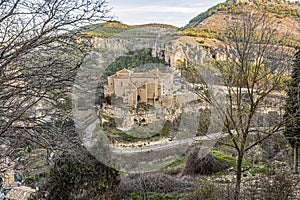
(174, 12)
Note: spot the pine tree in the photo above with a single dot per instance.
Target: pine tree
(292, 110)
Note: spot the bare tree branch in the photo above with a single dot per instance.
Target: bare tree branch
(39, 58)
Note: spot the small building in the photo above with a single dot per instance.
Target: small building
(140, 87)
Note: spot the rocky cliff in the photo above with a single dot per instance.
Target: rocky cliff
(175, 50)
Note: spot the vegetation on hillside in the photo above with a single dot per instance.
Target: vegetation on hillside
(79, 176)
(274, 10)
(135, 134)
(132, 60)
(202, 32)
(202, 16)
(279, 9)
(112, 28)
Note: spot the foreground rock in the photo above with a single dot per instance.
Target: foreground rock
(196, 164)
(19, 193)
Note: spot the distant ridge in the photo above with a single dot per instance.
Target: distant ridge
(212, 23)
(110, 28)
(277, 7)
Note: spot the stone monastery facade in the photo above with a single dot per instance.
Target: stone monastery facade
(140, 87)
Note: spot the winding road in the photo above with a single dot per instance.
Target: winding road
(158, 147)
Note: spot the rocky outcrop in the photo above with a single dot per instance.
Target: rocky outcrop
(175, 50)
(200, 163)
(18, 193)
(182, 50)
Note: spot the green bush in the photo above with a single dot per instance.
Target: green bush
(132, 60)
(229, 159)
(166, 129)
(78, 175)
(152, 196)
(260, 169)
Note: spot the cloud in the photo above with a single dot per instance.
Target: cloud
(174, 12)
(195, 3)
(174, 15)
(155, 9)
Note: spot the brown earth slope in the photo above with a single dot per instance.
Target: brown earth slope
(212, 23)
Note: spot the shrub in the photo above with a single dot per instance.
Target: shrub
(78, 175)
(275, 184)
(196, 164)
(211, 191)
(152, 196)
(146, 184)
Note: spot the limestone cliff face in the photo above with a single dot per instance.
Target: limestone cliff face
(181, 50)
(175, 51)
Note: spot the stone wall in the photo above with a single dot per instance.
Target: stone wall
(134, 88)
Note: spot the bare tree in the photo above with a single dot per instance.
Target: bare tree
(256, 58)
(39, 55)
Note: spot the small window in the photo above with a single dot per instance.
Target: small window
(138, 98)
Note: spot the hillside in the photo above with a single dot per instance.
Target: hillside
(112, 28)
(208, 27)
(212, 23)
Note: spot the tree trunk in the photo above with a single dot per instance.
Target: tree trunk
(296, 159)
(238, 176)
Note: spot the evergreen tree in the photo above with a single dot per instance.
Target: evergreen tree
(292, 110)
